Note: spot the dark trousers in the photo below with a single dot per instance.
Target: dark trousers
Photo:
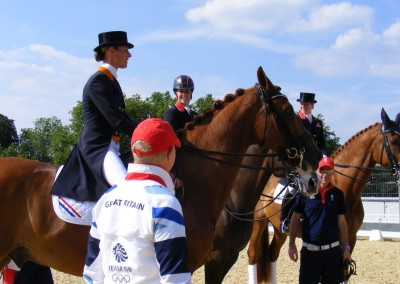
(32, 273)
(324, 267)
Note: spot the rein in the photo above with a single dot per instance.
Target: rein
(209, 155)
(238, 216)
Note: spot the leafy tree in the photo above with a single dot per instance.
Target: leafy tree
(331, 141)
(76, 125)
(202, 104)
(159, 103)
(8, 133)
(45, 141)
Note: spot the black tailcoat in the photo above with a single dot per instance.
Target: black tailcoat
(177, 116)
(316, 129)
(103, 109)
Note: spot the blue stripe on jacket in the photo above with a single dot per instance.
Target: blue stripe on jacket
(172, 257)
(169, 214)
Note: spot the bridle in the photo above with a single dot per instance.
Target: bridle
(394, 163)
(290, 153)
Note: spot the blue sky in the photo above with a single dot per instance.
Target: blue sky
(347, 52)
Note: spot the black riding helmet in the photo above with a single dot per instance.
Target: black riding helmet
(183, 82)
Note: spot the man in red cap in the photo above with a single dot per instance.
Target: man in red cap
(138, 232)
(324, 231)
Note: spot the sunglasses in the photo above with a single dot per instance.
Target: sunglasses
(326, 172)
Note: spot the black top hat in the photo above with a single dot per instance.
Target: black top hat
(115, 38)
(307, 98)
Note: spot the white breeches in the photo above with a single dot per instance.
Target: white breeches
(113, 168)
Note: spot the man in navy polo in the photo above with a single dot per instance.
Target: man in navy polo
(324, 231)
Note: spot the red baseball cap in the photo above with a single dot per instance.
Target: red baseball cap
(326, 162)
(158, 133)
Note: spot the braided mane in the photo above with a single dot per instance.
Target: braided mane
(209, 113)
(352, 138)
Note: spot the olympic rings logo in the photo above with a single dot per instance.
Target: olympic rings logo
(119, 278)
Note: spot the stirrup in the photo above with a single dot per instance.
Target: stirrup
(284, 226)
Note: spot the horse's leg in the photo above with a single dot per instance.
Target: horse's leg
(255, 250)
(216, 269)
(275, 247)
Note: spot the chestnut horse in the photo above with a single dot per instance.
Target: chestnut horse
(258, 115)
(354, 163)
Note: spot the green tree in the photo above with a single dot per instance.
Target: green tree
(159, 103)
(76, 121)
(45, 141)
(202, 104)
(8, 133)
(331, 140)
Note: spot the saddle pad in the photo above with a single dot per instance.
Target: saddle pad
(72, 211)
(280, 190)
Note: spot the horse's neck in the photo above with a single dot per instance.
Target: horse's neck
(358, 157)
(249, 183)
(231, 130)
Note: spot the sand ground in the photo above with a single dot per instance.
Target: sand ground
(377, 262)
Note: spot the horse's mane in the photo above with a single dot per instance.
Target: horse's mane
(208, 114)
(353, 138)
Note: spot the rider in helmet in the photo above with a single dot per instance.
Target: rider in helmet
(179, 114)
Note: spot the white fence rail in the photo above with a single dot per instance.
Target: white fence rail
(381, 218)
(381, 209)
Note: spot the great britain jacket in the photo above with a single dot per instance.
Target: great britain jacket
(138, 232)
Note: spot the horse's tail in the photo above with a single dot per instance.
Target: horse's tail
(263, 262)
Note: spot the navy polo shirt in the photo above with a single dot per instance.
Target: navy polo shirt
(320, 221)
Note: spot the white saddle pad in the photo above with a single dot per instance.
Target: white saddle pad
(280, 190)
(72, 211)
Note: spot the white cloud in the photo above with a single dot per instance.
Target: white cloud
(334, 16)
(250, 15)
(40, 81)
(358, 52)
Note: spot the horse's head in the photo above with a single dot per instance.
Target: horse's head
(307, 183)
(297, 148)
(391, 143)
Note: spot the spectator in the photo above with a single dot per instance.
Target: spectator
(138, 231)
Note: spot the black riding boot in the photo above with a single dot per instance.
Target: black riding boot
(286, 212)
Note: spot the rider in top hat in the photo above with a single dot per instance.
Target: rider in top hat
(313, 124)
(315, 127)
(94, 163)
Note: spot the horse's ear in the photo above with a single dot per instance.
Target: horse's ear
(385, 118)
(388, 124)
(263, 81)
(261, 77)
(397, 120)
